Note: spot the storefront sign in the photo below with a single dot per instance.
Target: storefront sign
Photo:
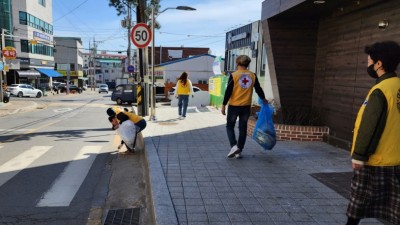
(41, 36)
(236, 37)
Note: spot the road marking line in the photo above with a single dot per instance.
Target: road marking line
(20, 162)
(69, 181)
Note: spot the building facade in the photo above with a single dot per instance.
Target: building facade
(30, 31)
(108, 67)
(69, 61)
(168, 54)
(248, 40)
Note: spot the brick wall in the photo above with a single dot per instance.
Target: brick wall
(293, 132)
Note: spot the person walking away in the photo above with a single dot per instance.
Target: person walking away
(375, 153)
(239, 93)
(183, 90)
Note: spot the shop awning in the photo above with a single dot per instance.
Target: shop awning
(49, 72)
(28, 73)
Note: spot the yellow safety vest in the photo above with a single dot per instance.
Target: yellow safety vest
(243, 88)
(388, 150)
(132, 116)
(183, 89)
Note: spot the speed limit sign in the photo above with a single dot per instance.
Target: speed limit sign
(141, 35)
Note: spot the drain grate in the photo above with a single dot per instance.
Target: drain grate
(128, 216)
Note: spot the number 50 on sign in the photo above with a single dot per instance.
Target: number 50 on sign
(141, 35)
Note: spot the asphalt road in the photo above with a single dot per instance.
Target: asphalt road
(55, 161)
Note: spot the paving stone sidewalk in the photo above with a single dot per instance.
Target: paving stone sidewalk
(193, 183)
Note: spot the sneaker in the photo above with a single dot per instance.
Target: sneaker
(238, 156)
(180, 117)
(233, 151)
(183, 117)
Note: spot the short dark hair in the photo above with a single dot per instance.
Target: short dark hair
(243, 60)
(110, 112)
(388, 52)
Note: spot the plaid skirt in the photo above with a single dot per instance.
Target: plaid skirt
(375, 193)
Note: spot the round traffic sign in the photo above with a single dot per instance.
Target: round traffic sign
(131, 68)
(141, 35)
(9, 52)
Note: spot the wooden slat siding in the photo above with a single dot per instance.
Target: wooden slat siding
(294, 62)
(271, 8)
(341, 82)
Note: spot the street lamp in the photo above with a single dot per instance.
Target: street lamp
(153, 90)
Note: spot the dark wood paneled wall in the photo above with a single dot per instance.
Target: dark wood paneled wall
(322, 63)
(293, 46)
(341, 82)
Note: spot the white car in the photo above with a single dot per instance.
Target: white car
(103, 88)
(171, 93)
(22, 90)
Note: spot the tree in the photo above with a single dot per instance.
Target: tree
(122, 7)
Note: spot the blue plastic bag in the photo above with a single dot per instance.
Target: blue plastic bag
(264, 132)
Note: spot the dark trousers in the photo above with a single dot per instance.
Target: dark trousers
(183, 102)
(351, 221)
(140, 125)
(243, 112)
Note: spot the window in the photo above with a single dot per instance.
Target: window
(23, 18)
(32, 21)
(203, 82)
(24, 46)
(42, 2)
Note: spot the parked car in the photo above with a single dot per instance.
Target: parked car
(103, 88)
(22, 90)
(63, 88)
(171, 92)
(124, 93)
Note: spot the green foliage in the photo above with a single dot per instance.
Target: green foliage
(122, 7)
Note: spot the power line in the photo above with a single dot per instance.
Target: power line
(70, 11)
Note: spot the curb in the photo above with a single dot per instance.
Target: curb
(164, 211)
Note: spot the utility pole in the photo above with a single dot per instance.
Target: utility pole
(129, 25)
(141, 98)
(3, 72)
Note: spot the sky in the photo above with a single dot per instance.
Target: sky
(205, 28)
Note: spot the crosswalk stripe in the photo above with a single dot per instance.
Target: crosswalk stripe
(20, 162)
(68, 183)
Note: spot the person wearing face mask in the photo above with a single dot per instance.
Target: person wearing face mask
(375, 152)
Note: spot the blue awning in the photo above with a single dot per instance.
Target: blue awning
(49, 72)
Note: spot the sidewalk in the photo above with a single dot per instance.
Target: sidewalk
(13, 107)
(193, 183)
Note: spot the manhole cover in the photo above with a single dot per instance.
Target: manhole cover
(128, 216)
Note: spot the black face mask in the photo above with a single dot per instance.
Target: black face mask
(371, 72)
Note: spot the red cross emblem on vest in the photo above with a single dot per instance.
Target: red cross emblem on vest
(245, 81)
